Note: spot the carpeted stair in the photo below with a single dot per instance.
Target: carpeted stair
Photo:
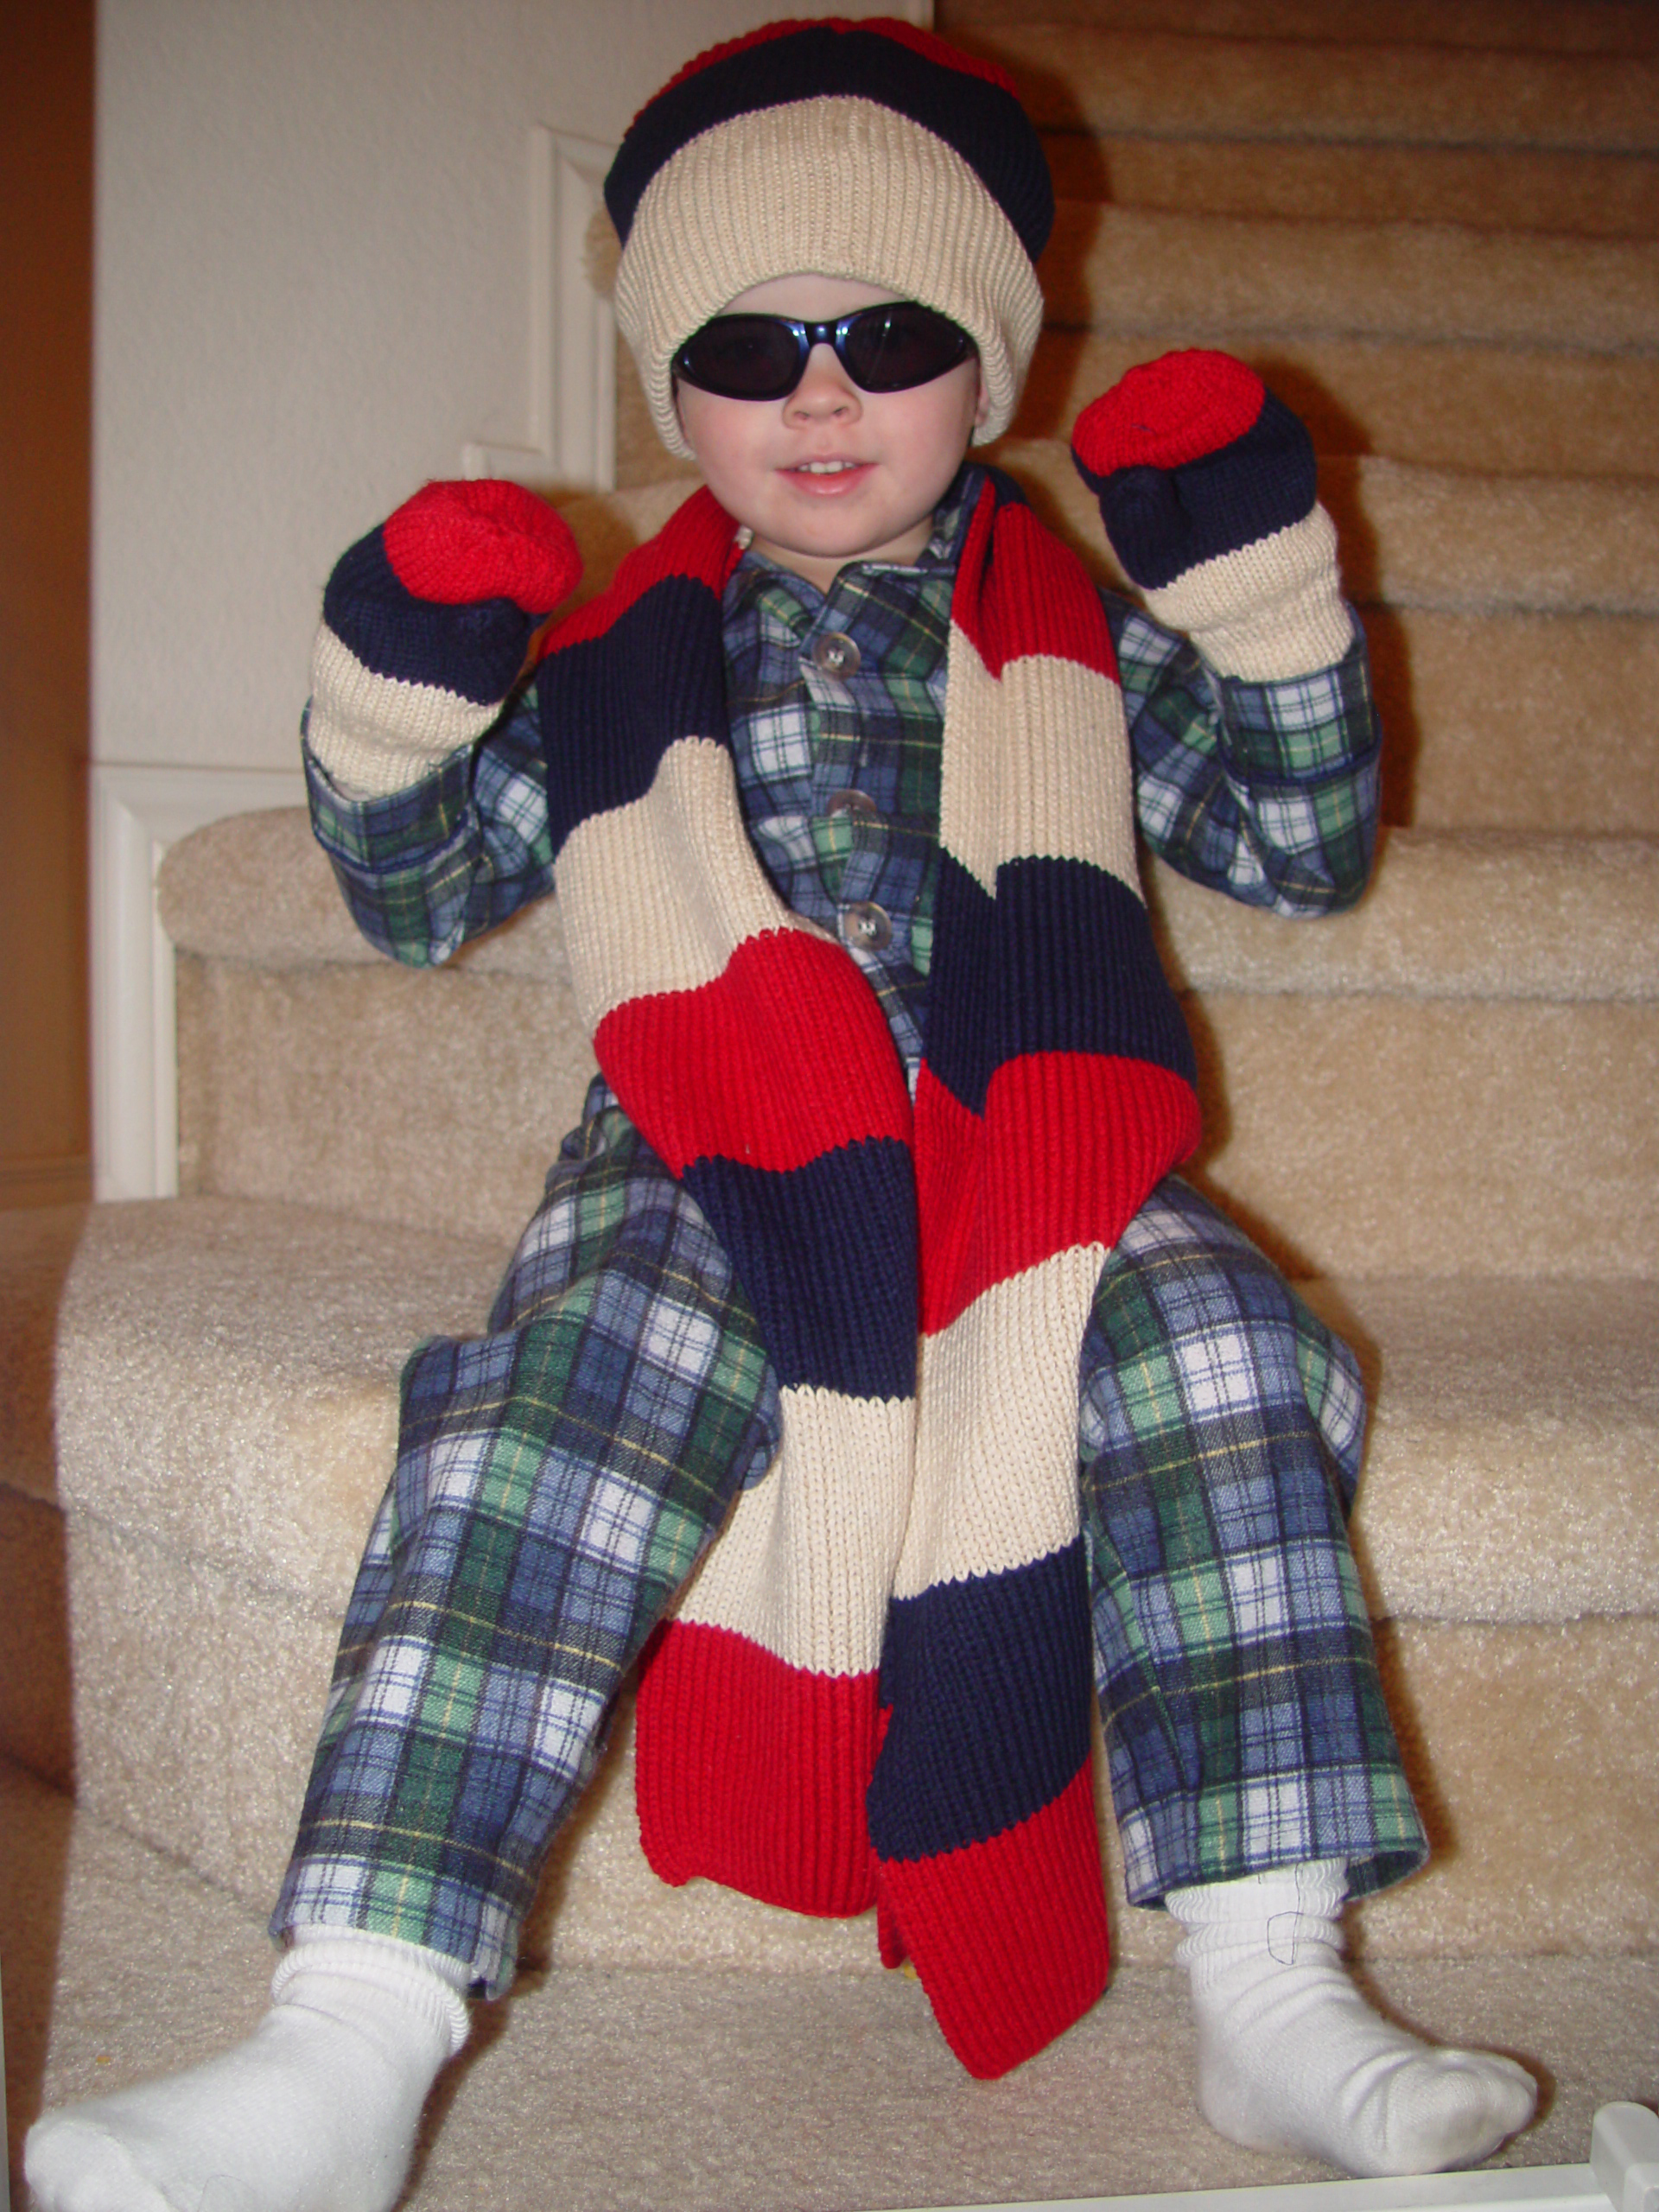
(1433, 227)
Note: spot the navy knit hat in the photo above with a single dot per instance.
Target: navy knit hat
(866, 149)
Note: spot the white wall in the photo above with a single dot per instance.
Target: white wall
(311, 293)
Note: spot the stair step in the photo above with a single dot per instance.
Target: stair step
(1451, 1138)
(346, 1084)
(1436, 538)
(1450, 915)
(226, 1401)
(1538, 26)
(1133, 270)
(119, 1966)
(1166, 83)
(1485, 187)
(1539, 410)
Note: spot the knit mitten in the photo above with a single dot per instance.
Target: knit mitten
(425, 625)
(1209, 495)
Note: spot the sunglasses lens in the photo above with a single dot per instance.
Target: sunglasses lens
(892, 348)
(742, 357)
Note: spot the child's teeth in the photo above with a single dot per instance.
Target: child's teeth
(826, 468)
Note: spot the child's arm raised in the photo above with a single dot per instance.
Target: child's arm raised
(1257, 745)
(427, 622)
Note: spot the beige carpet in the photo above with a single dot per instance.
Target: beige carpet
(684, 2090)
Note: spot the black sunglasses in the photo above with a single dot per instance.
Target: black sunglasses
(890, 348)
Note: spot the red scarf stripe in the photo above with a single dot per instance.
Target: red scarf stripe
(1008, 1936)
(698, 543)
(1027, 593)
(1001, 1194)
(753, 1772)
(709, 1078)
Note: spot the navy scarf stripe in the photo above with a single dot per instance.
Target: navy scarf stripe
(1062, 960)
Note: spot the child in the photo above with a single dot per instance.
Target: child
(838, 786)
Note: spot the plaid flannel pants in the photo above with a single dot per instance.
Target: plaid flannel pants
(558, 1478)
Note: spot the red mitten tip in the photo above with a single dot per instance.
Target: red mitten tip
(1167, 412)
(455, 542)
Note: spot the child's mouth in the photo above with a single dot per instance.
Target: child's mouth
(827, 476)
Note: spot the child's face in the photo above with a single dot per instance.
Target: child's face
(899, 450)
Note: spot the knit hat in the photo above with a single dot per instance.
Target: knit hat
(863, 149)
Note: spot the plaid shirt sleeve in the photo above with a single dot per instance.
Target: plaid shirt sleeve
(426, 868)
(1268, 791)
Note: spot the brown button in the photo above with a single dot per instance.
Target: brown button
(836, 654)
(866, 926)
(858, 803)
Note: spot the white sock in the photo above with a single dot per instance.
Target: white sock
(1291, 2057)
(316, 2112)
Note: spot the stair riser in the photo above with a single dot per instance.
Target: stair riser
(197, 1698)
(1081, 77)
(197, 1695)
(1362, 1136)
(1455, 1138)
(1137, 269)
(1583, 195)
(293, 1086)
(1487, 724)
(1585, 27)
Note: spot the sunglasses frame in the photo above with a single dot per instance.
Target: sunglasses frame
(808, 335)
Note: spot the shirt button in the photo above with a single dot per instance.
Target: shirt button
(858, 803)
(836, 654)
(866, 926)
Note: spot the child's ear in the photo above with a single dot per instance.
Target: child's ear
(982, 406)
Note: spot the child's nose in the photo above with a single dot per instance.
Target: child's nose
(825, 389)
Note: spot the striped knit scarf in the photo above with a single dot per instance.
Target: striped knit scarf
(877, 1689)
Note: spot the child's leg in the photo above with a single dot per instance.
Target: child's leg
(556, 1481)
(1220, 1429)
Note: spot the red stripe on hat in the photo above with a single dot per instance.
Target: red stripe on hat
(1008, 1937)
(740, 1068)
(924, 42)
(1068, 1148)
(752, 1773)
(1043, 602)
